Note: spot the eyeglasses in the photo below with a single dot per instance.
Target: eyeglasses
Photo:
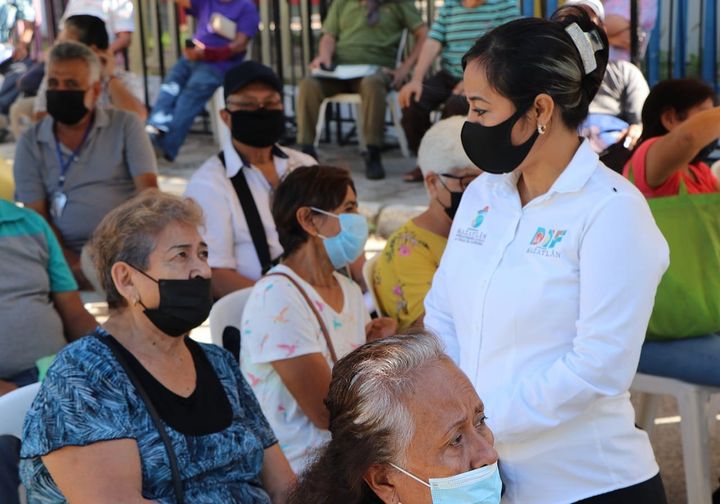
(252, 106)
(463, 180)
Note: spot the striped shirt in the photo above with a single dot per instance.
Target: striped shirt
(457, 28)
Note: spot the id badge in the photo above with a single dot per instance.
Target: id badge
(57, 204)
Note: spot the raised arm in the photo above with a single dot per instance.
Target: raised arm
(675, 150)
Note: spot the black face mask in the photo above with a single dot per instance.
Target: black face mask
(67, 107)
(259, 128)
(704, 152)
(455, 198)
(490, 148)
(184, 304)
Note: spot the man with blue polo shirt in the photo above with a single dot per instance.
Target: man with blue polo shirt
(40, 311)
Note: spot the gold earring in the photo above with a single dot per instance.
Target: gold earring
(136, 300)
(541, 129)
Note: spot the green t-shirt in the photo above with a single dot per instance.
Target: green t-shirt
(360, 44)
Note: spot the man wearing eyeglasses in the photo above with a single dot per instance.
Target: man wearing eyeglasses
(233, 188)
(405, 269)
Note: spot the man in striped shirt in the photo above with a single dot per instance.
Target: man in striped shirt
(458, 25)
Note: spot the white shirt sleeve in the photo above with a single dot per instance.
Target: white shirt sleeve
(278, 324)
(623, 256)
(218, 232)
(438, 318)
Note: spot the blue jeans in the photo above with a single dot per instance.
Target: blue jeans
(694, 360)
(10, 449)
(183, 95)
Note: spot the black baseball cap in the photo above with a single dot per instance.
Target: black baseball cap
(248, 72)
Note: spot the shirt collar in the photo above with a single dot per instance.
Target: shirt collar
(9, 212)
(572, 179)
(46, 134)
(234, 161)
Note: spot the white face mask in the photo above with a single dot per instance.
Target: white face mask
(479, 486)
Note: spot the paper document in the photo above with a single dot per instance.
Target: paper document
(345, 72)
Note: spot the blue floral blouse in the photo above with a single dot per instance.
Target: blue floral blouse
(87, 397)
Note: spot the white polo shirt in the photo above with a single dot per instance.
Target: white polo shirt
(545, 308)
(226, 230)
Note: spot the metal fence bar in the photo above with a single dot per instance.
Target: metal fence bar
(653, 51)
(679, 68)
(709, 43)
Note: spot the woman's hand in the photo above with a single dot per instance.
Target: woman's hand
(380, 328)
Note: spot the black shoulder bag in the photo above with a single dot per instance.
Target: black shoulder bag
(252, 217)
(112, 344)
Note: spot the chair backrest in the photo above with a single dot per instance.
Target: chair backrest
(227, 312)
(13, 407)
(401, 48)
(368, 271)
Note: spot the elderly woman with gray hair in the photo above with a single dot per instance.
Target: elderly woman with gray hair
(137, 411)
(407, 426)
(406, 266)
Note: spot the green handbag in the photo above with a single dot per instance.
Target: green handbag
(687, 302)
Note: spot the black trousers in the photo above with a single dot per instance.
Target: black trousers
(647, 492)
(436, 90)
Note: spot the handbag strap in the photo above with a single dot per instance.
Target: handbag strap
(113, 345)
(309, 302)
(252, 217)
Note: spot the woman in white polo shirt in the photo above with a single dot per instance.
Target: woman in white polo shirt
(545, 289)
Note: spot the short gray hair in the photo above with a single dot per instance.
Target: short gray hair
(371, 385)
(441, 150)
(64, 51)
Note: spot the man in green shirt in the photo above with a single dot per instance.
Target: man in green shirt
(360, 32)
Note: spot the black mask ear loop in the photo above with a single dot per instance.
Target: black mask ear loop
(144, 274)
(446, 208)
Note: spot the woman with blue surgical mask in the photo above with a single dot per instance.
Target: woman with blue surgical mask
(407, 427)
(304, 315)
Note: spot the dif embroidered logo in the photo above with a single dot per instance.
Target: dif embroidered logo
(544, 241)
(480, 217)
(472, 233)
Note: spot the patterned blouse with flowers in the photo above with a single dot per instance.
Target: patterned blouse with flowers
(278, 324)
(405, 270)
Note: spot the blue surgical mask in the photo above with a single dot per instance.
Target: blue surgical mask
(479, 486)
(348, 244)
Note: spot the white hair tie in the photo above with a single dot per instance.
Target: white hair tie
(586, 43)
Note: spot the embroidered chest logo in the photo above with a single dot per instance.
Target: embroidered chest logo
(544, 242)
(472, 233)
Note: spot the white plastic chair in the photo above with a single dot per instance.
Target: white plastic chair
(694, 406)
(393, 105)
(228, 312)
(221, 133)
(367, 272)
(13, 407)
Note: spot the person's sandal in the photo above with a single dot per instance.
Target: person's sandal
(414, 175)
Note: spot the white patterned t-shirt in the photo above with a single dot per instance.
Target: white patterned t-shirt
(278, 324)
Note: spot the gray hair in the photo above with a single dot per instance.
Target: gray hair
(370, 389)
(441, 150)
(129, 232)
(64, 51)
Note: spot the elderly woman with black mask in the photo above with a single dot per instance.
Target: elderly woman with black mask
(137, 411)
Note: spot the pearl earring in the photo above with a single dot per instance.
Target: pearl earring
(541, 129)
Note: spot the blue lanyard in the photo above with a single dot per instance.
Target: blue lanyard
(65, 164)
